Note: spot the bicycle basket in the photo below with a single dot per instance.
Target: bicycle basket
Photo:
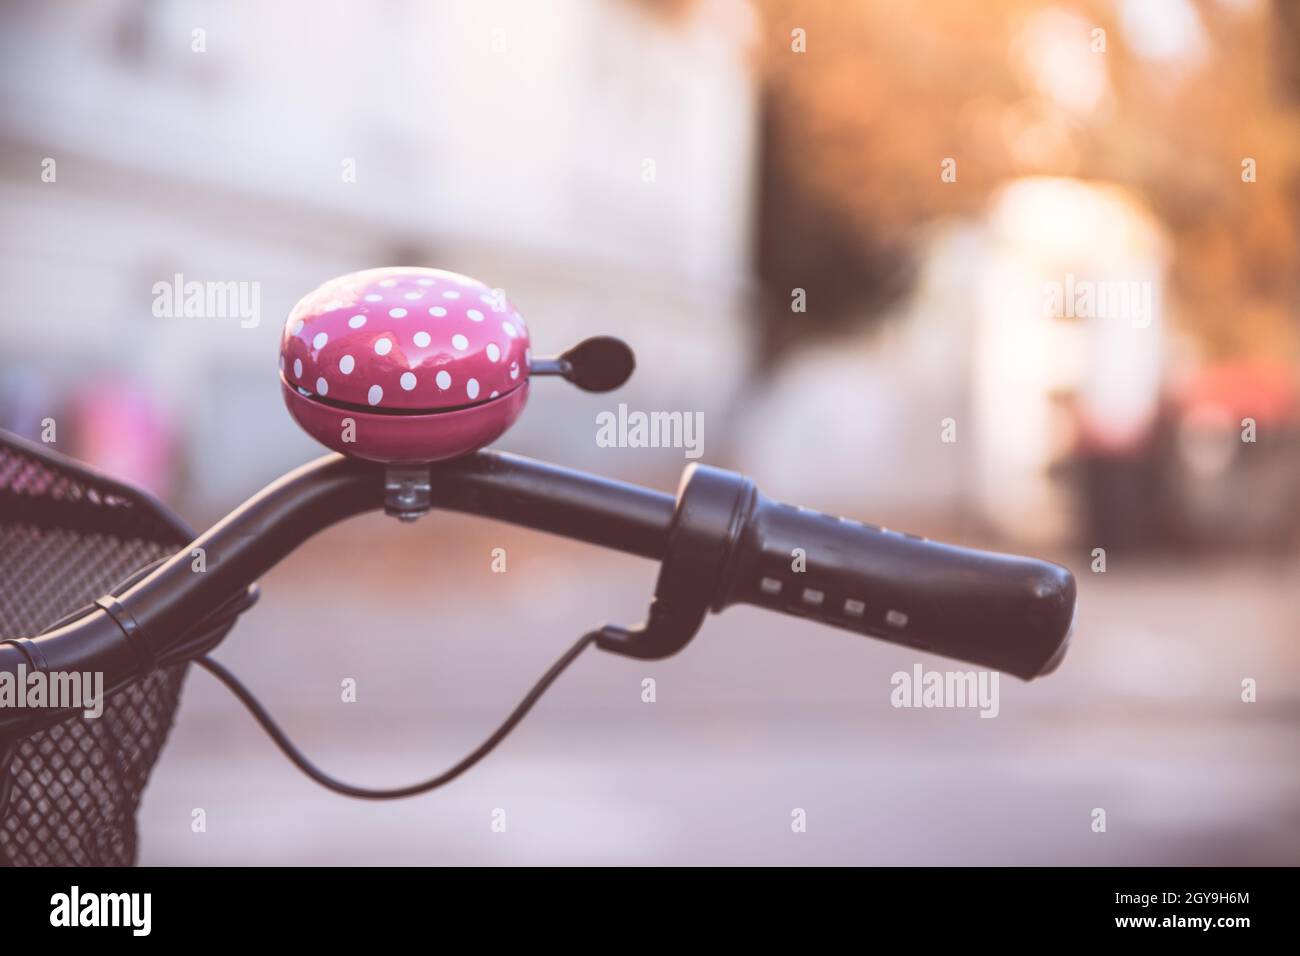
(69, 792)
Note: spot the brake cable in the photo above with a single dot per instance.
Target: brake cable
(209, 632)
(300, 760)
(681, 602)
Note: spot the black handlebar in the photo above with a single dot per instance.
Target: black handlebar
(720, 542)
(728, 543)
(1010, 613)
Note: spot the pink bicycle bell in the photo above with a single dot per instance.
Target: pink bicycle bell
(404, 364)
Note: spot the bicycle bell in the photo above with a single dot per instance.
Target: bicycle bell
(407, 365)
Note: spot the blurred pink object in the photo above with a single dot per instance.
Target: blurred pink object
(1264, 390)
(120, 428)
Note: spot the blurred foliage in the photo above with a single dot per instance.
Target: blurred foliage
(856, 128)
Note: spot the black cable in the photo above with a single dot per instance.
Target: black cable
(288, 748)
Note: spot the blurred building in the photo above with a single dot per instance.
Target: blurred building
(593, 157)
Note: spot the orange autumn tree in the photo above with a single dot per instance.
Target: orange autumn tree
(1182, 112)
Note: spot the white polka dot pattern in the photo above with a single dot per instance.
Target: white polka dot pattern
(366, 339)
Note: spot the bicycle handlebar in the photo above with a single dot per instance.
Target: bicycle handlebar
(720, 541)
(1010, 613)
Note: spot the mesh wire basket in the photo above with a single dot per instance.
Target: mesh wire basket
(69, 792)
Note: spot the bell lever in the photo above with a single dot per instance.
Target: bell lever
(598, 364)
(551, 365)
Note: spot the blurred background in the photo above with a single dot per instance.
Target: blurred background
(868, 241)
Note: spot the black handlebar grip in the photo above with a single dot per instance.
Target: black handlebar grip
(1010, 613)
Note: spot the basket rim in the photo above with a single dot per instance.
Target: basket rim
(89, 473)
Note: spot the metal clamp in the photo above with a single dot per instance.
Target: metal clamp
(131, 630)
(30, 650)
(406, 491)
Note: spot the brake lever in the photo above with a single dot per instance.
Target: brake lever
(706, 523)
